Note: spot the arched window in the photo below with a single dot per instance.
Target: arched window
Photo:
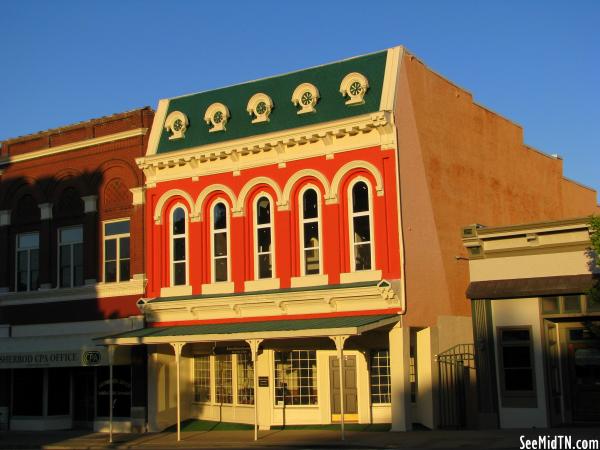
(310, 232)
(178, 247)
(361, 226)
(220, 243)
(264, 261)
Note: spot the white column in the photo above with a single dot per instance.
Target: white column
(177, 346)
(111, 358)
(399, 338)
(254, 343)
(339, 346)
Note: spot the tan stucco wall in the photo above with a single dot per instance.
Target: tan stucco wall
(529, 266)
(460, 164)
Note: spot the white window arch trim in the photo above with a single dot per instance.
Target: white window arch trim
(227, 231)
(255, 229)
(352, 215)
(302, 221)
(187, 245)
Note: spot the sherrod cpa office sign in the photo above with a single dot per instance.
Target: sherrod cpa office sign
(52, 359)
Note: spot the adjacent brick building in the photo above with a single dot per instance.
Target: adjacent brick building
(72, 268)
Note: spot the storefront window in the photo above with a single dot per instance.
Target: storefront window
(59, 391)
(296, 377)
(202, 378)
(245, 379)
(223, 379)
(121, 391)
(28, 392)
(380, 376)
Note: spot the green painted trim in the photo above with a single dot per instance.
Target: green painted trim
(331, 105)
(254, 327)
(266, 292)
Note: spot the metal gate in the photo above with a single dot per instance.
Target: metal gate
(456, 367)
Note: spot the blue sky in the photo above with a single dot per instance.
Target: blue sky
(535, 62)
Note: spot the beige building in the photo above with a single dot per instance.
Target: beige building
(536, 329)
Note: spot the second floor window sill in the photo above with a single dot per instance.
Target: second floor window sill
(310, 280)
(222, 287)
(360, 275)
(176, 291)
(263, 284)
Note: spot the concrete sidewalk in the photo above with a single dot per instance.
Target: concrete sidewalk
(479, 439)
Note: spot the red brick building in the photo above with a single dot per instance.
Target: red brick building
(71, 236)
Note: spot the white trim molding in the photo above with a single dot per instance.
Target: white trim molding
(209, 190)
(45, 211)
(342, 171)
(138, 195)
(323, 139)
(239, 208)
(160, 204)
(297, 176)
(75, 146)
(90, 203)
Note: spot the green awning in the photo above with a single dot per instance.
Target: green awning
(268, 329)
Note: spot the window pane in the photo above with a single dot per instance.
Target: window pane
(518, 380)
(28, 240)
(263, 211)
(517, 356)
(296, 377)
(65, 266)
(28, 392)
(360, 197)
(124, 274)
(110, 271)
(179, 221)
(380, 376)
(362, 257)
(550, 305)
(34, 269)
(77, 264)
(245, 379)
(593, 304)
(223, 379)
(110, 249)
(311, 261)
(515, 335)
(121, 391)
(220, 244)
(113, 228)
(310, 204)
(311, 235)
(124, 247)
(264, 266)
(179, 273)
(59, 391)
(179, 249)
(362, 232)
(220, 216)
(221, 269)
(572, 303)
(202, 378)
(264, 240)
(22, 270)
(72, 234)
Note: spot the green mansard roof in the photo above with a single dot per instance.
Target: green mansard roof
(331, 104)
